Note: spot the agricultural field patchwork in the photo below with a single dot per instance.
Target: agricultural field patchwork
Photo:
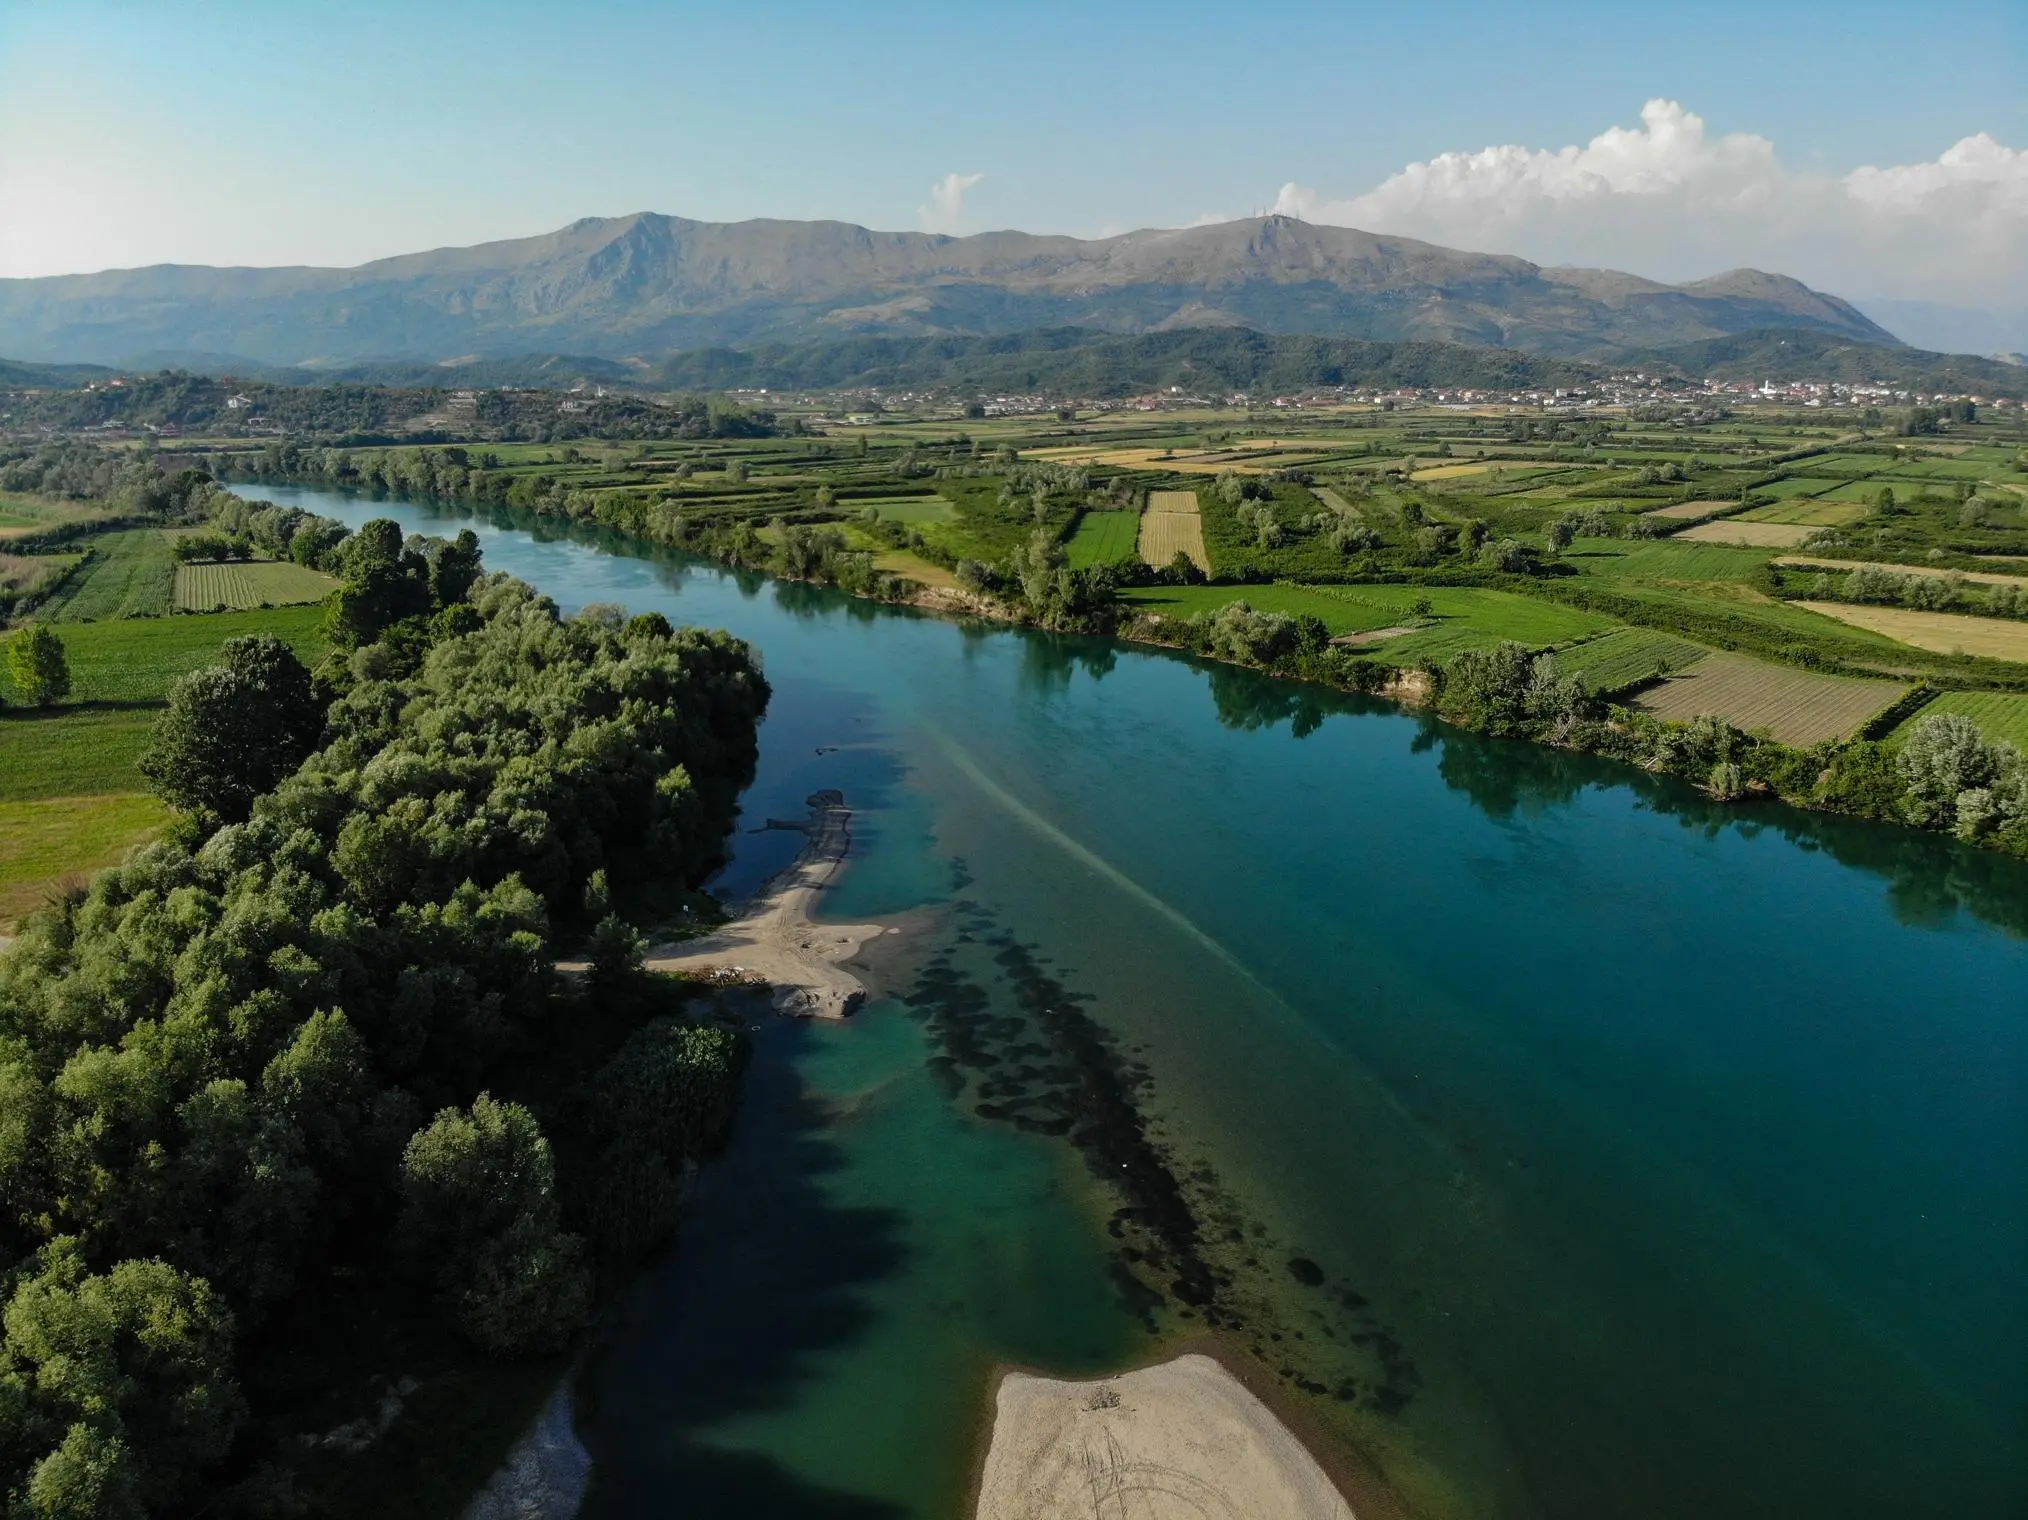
(246, 584)
(1940, 632)
(1173, 525)
(1793, 706)
(1104, 538)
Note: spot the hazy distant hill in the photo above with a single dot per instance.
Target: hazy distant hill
(650, 285)
(1786, 354)
(1074, 361)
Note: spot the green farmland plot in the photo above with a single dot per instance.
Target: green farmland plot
(1627, 657)
(1663, 560)
(1459, 617)
(258, 583)
(2001, 716)
(1104, 538)
(136, 659)
(131, 575)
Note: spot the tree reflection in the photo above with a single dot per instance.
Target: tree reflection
(1248, 701)
(1930, 878)
(1048, 661)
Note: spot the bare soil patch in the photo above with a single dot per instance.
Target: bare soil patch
(1794, 706)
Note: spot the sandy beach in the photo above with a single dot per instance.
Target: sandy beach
(773, 939)
(1184, 1440)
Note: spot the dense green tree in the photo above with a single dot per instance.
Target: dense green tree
(36, 661)
(480, 1212)
(234, 729)
(185, 1105)
(138, 1359)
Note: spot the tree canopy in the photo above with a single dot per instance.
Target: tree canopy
(219, 1066)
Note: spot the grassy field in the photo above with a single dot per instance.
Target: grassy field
(22, 513)
(71, 797)
(131, 575)
(72, 751)
(255, 583)
(2000, 715)
(45, 842)
(1731, 530)
(1799, 486)
(1809, 511)
(1460, 617)
(1687, 511)
(1628, 657)
(135, 659)
(1943, 632)
(1173, 525)
(1794, 706)
(1668, 559)
(922, 571)
(1103, 538)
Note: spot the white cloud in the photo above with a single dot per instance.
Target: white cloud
(1670, 200)
(946, 208)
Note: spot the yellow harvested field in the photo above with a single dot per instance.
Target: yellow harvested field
(1172, 526)
(1689, 509)
(1979, 577)
(923, 572)
(1754, 535)
(1794, 706)
(1942, 632)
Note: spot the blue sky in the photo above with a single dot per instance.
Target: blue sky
(276, 132)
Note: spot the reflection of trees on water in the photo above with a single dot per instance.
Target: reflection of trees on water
(1248, 701)
(1506, 776)
(1930, 877)
(1048, 661)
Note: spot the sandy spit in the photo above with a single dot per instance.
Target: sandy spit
(1184, 1440)
(545, 1475)
(773, 937)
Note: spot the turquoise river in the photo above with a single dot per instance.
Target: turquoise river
(1555, 1142)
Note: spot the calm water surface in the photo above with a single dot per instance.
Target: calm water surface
(1654, 1159)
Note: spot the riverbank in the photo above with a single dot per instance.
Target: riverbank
(773, 937)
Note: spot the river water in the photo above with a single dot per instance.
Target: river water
(1584, 1149)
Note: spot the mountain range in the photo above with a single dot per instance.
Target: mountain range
(649, 286)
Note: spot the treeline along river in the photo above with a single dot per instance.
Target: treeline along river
(1564, 1144)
